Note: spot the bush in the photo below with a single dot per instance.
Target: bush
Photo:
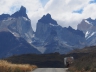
(9, 67)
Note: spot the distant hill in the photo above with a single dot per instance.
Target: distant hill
(84, 56)
(53, 60)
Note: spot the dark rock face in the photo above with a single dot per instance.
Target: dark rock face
(44, 27)
(46, 19)
(91, 21)
(16, 34)
(43, 30)
(72, 37)
(4, 16)
(10, 45)
(21, 27)
(18, 23)
(63, 40)
(49, 36)
(20, 13)
(77, 32)
(56, 38)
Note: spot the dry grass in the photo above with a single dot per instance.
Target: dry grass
(9, 67)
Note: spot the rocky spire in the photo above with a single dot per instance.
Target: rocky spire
(46, 19)
(21, 12)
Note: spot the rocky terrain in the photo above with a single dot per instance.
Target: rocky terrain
(49, 36)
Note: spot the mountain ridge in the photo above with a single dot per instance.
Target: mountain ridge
(46, 19)
(49, 37)
(60, 39)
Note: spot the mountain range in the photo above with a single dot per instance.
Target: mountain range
(18, 37)
(88, 26)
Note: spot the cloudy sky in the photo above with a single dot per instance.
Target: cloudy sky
(66, 12)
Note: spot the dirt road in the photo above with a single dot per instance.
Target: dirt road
(50, 70)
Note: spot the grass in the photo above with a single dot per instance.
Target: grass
(9, 67)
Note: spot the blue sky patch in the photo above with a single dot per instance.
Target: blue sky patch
(14, 9)
(44, 2)
(78, 11)
(92, 1)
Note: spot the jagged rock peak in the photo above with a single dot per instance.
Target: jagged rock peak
(69, 27)
(46, 19)
(53, 32)
(89, 18)
(78, 32)
(91, 21)
(20, 13)
(22, 9)
(4, 16)
(48, 15)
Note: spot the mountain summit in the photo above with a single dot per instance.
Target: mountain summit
(20, 13)
(18, 24)
(54, 38)
(46, 19)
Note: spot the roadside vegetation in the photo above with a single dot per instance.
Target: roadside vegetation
(86, 63)
(9, 67)
(52, 60)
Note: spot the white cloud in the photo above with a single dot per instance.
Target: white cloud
(90, 11)
(61, 10)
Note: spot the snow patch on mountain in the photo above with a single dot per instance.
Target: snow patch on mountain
(87, 22)
(91, 35)
(15, 34)
(25, 18)
(53, 24)
(86, 35)
(88, 26)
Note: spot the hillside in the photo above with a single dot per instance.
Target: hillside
(87, 62)
(83, 58)
(53, 60)
(85, 50)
